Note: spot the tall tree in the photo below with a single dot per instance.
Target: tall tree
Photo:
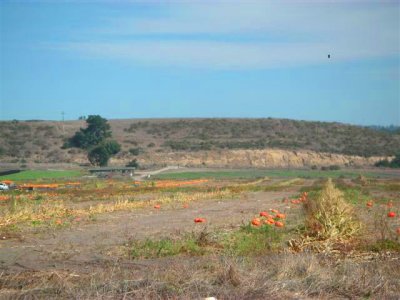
(93, 138)
(97, 131)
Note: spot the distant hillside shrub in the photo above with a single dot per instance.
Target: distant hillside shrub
(133, 164)
(135, 151)
(330, 168)
(395, 163)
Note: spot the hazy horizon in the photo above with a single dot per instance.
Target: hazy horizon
(196, 118)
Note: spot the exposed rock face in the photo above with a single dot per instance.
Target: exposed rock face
(272, 158)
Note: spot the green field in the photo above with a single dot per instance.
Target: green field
(250, 174)
(42, 174)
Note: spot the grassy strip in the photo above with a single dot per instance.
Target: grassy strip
(41, 174)
(165, 247)
(247, 241)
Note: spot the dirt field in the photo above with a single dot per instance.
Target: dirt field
(75, 244)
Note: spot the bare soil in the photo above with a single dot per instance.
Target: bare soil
(89, 242)
(86, 260)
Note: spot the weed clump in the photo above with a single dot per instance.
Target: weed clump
(329, 216)
(329, 220)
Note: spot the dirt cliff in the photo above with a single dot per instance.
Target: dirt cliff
(273, 158)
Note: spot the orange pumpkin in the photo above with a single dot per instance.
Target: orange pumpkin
(269, 221)
(370, 204)
(280, 216)
(157, 206)
(199, 220)
(391, 214)
(256, 222)
(274, 211)
(263, 214)
(3, 198)
(279, 224)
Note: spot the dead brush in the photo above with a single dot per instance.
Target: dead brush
(329, 220)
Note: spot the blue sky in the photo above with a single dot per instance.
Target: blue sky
(163, 59)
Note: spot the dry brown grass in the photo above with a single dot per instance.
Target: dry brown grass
(338, 274)
(278, 276)
(330, 217)
(329, 220)
(49, 210)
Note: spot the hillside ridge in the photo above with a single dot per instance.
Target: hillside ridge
(152, 140)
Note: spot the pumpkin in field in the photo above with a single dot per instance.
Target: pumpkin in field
(263, 214)
(269, 221)
(391, 214)
(279, 224)
(370, 204)
(256, 222)
(199, 220)
(157, 206)
(280, 216)
(274, 211)
(4, 198)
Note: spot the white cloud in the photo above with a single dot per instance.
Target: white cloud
(283, 34)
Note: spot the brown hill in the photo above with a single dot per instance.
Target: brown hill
(212, 142)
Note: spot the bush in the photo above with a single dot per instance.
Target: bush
(133, 164)
(334, 167)
(330, 168)
(395, 163)
(135, 151)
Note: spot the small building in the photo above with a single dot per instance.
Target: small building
(110, 171)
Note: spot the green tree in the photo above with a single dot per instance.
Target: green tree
(100, 155)
(93, 138)
(112, 147)
(97, 131)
